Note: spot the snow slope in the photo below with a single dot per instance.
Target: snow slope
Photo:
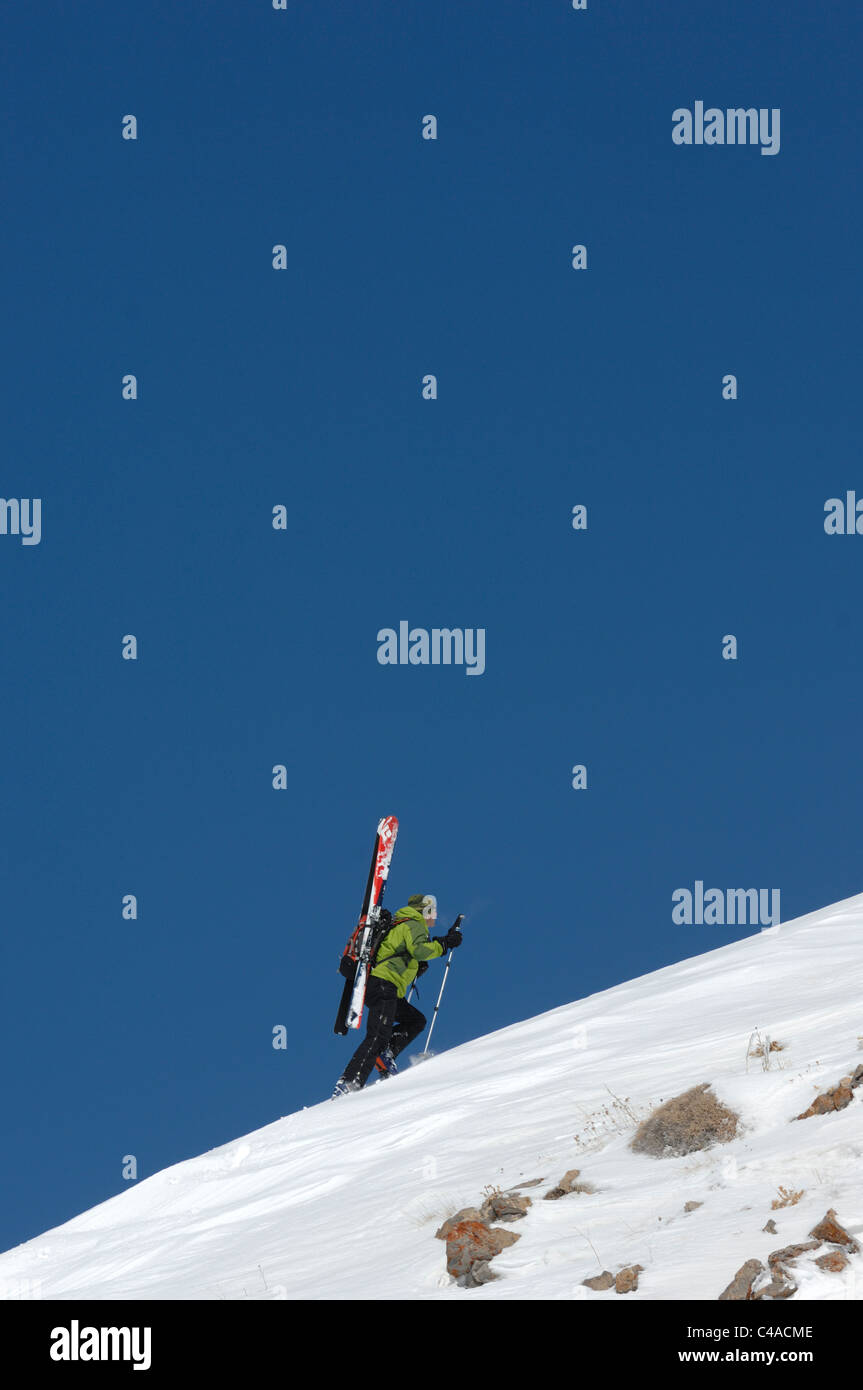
(342, 1200)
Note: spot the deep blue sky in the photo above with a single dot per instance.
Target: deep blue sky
(302, 387)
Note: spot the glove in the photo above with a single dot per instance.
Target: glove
(452, 939)
(422, 968)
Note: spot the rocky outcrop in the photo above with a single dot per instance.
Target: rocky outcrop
(836, 1098)
(469, 1243)
(830, 1230)
(504, 1206)
(777, 1280)
(833, 1262)
(740, 1288)
(600, 1282)
(791, 1252)
(624, 1281)
(466, 1214)
(566, 1186)
(499, 1206)
(471, 1240)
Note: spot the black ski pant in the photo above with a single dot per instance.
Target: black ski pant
(392, 1022)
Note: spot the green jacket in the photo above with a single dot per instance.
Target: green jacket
(404, 946)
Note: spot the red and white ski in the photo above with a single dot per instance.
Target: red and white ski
(356, 960)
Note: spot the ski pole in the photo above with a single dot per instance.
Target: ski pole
(455, 926)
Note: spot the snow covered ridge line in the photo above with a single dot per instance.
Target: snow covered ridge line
(734, 126)
(718, 907)
(442, 646)
(77, 1343)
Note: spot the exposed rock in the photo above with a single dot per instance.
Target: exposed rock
(568, 1185)
(830, 1231)
(834, 1261)
(791, 1252)
(836, 1097)
(692, 1206)
(770, 1228)
(600, 1282)
(531, 1182)
(820, 1106)
(626, 1280)
(740, 1288)
(466, 1214)
(504, 1206)
(777, 1283)
(471, 1241)
(480, 1272)
(564, 1187)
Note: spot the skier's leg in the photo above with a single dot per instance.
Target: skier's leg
(409, 1024)
(381, 1002)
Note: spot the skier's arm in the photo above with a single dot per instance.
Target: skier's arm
(419, 945)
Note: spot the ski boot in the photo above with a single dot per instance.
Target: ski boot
(344, 1088)
(385, 1065)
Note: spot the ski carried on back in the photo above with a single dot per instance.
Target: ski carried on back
(357, 957)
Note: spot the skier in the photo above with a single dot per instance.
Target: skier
(393, 1023)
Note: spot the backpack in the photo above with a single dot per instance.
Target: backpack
(350, 955)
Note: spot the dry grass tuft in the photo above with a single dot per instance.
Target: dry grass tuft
(787, 1198)
(689, 1122)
